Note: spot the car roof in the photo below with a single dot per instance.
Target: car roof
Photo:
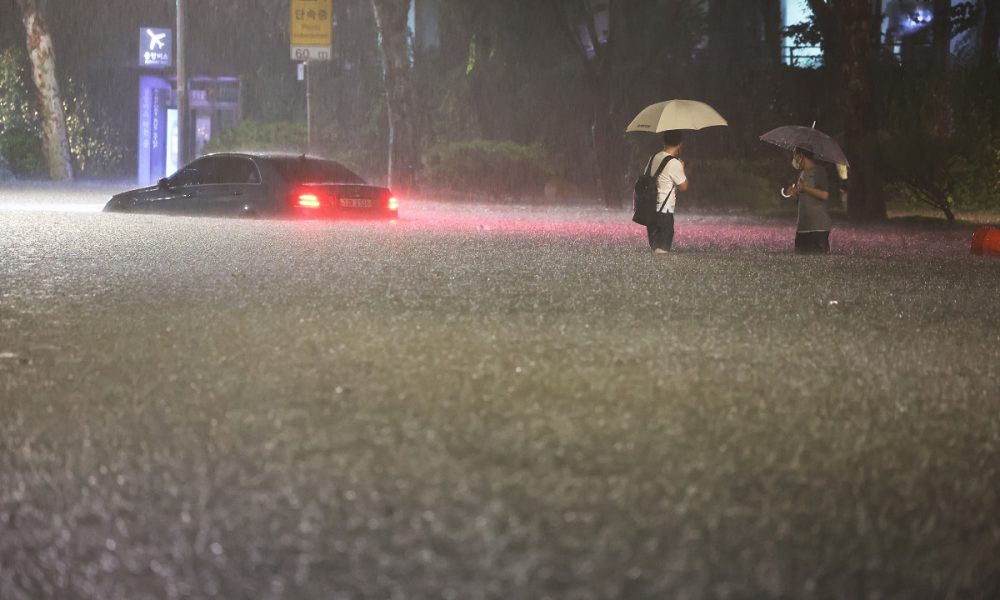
(275, 160)
(269, 155)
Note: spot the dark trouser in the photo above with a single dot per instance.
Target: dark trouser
(812, 242)
(661, 232)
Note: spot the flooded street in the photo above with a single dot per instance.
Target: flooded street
(491, 402)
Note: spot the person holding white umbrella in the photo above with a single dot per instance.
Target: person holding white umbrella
(670, 180)
(669, 118)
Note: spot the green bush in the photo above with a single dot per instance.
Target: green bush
(250, 135)
(946, 174)
(973, 185)
(939, 145)
(736, 185)
(16, 108)
(21, 147)
(494, 168)
(20, 138)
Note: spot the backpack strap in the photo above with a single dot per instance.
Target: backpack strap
(663, 165)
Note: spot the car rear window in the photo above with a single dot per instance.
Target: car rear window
(306, 170)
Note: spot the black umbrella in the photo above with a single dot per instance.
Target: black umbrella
(822, 146)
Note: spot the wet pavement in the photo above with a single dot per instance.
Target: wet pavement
(491, 402)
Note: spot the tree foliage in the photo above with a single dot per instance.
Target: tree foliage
(95, 145)
(625, 51)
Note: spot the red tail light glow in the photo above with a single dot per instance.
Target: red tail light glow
(393, 203)
(308, 201)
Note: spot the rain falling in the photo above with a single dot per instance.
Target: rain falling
(589, 299)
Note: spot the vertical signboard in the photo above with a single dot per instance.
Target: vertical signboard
(154, 94)
(312, 29)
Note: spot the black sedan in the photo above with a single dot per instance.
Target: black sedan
(238, 184)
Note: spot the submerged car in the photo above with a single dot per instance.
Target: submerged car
(259, 184)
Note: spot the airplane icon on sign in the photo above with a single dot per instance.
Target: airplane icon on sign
(155, 40)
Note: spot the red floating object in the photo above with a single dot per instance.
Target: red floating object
(986, 241)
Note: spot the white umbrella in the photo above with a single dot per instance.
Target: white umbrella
(676, 114)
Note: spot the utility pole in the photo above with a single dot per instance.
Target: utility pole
(309, 120)
(182, 85)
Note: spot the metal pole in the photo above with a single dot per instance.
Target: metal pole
(182, 86)
(309, 126)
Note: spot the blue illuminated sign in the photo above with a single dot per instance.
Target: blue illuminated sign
(154, 97)
(156, 48)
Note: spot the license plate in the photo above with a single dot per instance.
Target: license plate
(356, 202)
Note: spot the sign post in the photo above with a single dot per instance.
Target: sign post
(312, 40)
(182, 83)
(309, 118)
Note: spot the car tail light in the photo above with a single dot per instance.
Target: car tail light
(393, 203)
(308, 201)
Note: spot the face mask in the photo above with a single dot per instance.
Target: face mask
(797, 163)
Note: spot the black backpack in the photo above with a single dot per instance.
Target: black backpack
(646, 193)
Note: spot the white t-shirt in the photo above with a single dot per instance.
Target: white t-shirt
(669, 179)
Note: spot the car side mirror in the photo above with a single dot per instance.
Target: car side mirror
(163, 184)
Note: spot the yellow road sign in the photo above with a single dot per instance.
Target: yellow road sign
(312, 28)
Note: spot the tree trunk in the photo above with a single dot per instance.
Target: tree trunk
(43, 67)
(858, 54)
(939, 100)
(598, 66)
(990, 36)
(848, 53)
(771, 15)
(744, 49)
(396, 44)
(942, 35)
(948, 214)
(606, 142)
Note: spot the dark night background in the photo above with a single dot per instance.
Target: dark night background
(518, 83)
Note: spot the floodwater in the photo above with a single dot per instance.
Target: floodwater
(491, 402)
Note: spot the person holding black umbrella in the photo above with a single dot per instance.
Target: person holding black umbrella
(810, 149)
(812, 191)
